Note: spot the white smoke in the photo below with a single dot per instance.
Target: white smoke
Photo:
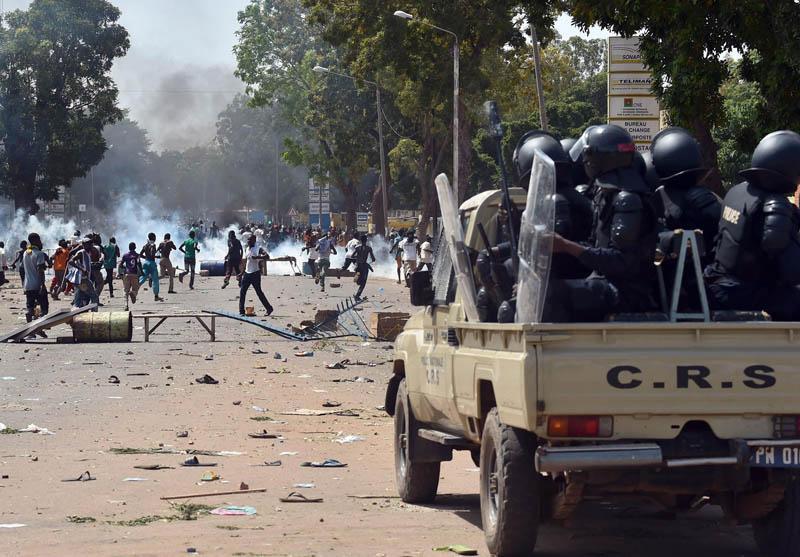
(133, 219)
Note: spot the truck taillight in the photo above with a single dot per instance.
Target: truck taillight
(580, 426)
(786, 427)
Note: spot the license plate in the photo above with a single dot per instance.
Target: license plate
(775, 457)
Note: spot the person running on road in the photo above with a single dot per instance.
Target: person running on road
(409, 248)
(79, 274)
(310, 247)
(398, 255)
(325, 247)
(149, 267)
(362, 252)
(349, 252)
(233, 260)
(165, 248)
(96, 255)
(189, 248)
(130, 269)
(35, 262)
(252, 276)
(23, 247)
(60, 260)
(426, 254)
(110, 256)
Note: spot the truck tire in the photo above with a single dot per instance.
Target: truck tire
(778, 533)
(510, 494)
(417, 482)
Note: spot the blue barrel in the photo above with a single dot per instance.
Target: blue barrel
(214, 268)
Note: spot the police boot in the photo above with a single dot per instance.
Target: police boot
(486, 307)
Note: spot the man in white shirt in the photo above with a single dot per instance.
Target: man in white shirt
(409, 248)
(325, 247)
(426, 254)
(350, 252)
(252, 275)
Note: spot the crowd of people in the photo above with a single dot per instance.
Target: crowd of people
(85, 266)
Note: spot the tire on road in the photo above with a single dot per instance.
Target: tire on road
(778, 533)
(417, 482)
(510, 490)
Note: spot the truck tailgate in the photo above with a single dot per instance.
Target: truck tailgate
(669, 368)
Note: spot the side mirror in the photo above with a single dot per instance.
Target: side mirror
(421, 288)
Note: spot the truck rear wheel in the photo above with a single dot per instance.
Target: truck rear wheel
(510, 506)
(417, 482)
(778, 533)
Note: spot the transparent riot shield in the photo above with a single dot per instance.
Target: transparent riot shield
(454, 233)
(536, 240)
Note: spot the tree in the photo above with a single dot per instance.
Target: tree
(575, 88)
(413, 62)
(683, 43)
(57, 94)
(277, 50)
(252, 142)
(743, 126)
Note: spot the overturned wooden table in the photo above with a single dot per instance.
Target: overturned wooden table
(207, 320)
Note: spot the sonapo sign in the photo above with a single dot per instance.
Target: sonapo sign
(631, 103)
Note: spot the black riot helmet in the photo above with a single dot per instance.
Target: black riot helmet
(650, 174)
(776, 163)
(578, 174)
(549, 145)
(677, 158)
(604, 148)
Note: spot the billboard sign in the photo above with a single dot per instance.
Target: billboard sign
(631, 103)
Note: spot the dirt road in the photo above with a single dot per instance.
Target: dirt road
(65, 388)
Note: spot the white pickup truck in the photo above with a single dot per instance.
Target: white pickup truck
(687, 413)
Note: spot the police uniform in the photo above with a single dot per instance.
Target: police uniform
(681, 202)
(757, 260)
(622, 245)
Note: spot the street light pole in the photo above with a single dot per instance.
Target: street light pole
(456, 103)
(384, 181)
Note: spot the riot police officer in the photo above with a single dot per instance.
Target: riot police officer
(757, 261)
(622, 245)
(681, 202)
(573, 212)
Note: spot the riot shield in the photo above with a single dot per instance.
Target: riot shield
(454, 233)
(442, 271)
(536, 240)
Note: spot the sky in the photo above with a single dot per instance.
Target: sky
(178, 74)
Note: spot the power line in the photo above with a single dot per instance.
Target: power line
(179, 91)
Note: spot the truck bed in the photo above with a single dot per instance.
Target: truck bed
(651, 377)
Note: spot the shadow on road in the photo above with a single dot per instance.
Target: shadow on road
(631, 529)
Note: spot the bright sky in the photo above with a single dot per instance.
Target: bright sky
(178, 74)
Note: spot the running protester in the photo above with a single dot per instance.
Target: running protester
(130, 268)
(349, 252)
(325, 247)
(60, 260)
(362, 252)
(165, 248)
(149, 267)
(252, 276)
(35, 262)
(233, 260)
(110, 256)
(79, 274)
(189, 248)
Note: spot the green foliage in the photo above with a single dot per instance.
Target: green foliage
(743, 124)
(57, 94)
(277, 51)
(575, 99)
